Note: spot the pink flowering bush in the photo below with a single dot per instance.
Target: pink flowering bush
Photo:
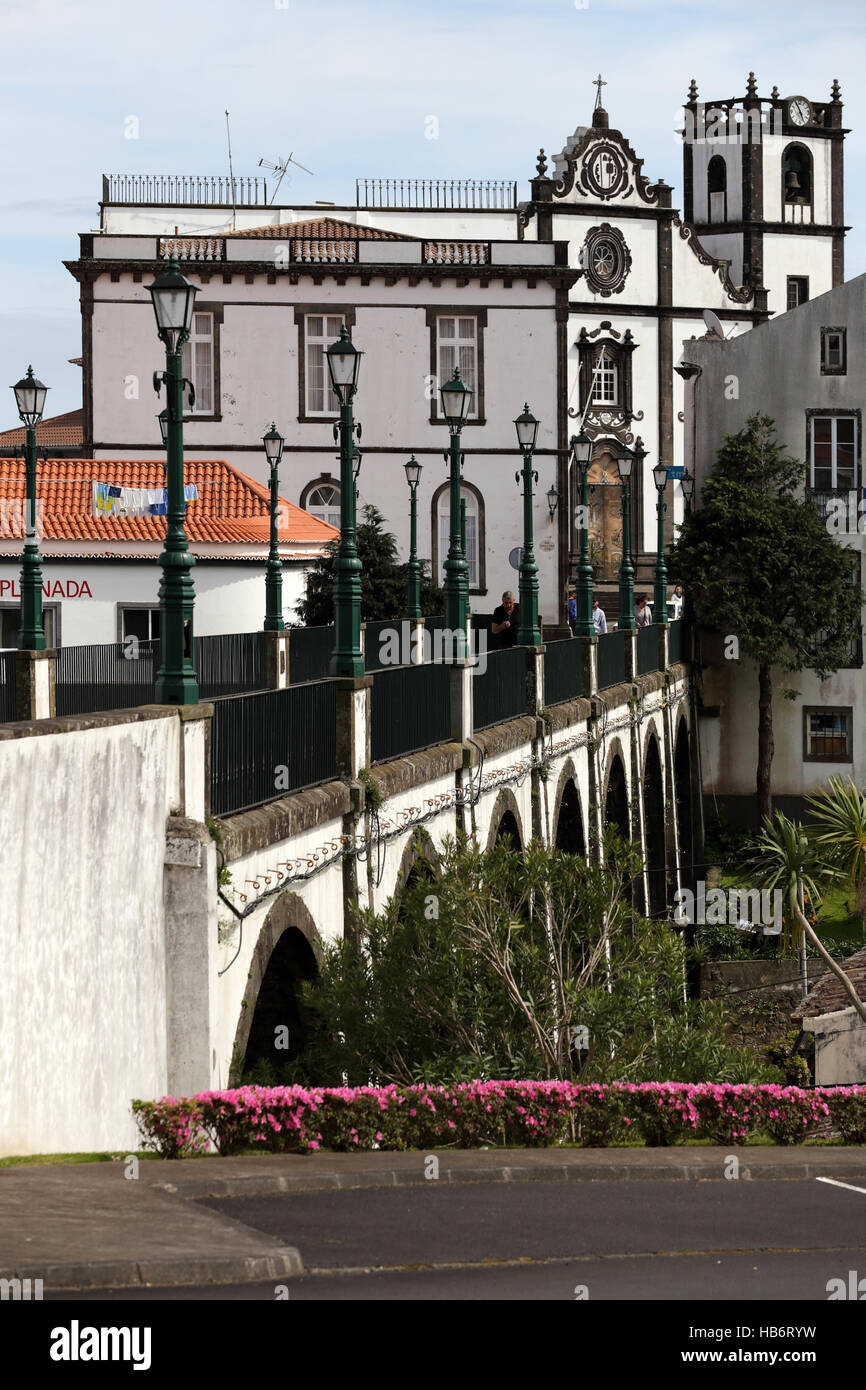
(508, 1114)
(848, 1111)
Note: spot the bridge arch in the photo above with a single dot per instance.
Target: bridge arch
(654, 825)
(569, 833)
(505, 820)
(288, 950)
(419, 858)
(616, 801)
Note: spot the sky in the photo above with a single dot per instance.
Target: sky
(350, 88)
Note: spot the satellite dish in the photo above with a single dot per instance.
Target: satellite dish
(714, 324)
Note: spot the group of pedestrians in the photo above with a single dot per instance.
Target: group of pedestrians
(642, 612)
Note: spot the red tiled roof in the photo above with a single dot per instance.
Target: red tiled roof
(829, 995)
(325, 229)
(231, 507)
(57, 432)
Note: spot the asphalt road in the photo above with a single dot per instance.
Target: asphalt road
(735, 1240)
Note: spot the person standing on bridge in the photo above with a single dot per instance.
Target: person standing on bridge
(506, 620)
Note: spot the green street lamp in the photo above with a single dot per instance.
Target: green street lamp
(273, 442)
(413, 582)
(173, 303)
(529, 632)
(688, 486)
(626, 622)
(552, 500)
(162, 417)
(456, 402)
(581, 453)
(30, 398)
(660, 478)
(344, 362)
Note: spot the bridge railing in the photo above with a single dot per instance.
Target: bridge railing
(121, 675)
(563, 671)
(410, 709)
(266, 744)
(500, 692)
(611, 659)
(647, 650)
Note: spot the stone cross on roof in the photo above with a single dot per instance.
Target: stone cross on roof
(599, 83)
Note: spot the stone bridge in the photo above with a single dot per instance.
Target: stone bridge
(149, 940)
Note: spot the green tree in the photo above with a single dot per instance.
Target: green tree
(763, 567)
(383, 578)
(504, 965)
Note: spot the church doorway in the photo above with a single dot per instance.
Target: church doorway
(605, 517)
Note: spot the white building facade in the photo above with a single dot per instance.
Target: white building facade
(575, 300)
(817, 405)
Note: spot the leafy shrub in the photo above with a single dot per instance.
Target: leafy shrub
(847, 1106)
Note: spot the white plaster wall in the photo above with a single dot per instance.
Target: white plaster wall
(787, 253)
(82, 991)
(439, 827)
(730, 744)
(228, 597)
(702, 153)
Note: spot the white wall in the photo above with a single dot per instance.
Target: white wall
(82, 991)
(229, 597)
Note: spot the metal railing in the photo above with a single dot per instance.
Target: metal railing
(447, 194)
(563, 670)
(611, 659)
(113, 675)
(8, 693)
(310, 650)
(411, 709)
(500, 693)
(647, 649)
(265, 745)
(230, 664)
(196, 190)
(825, 500)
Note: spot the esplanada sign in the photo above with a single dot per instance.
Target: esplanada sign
(56, 588)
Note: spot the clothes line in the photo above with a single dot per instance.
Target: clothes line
(109, 500)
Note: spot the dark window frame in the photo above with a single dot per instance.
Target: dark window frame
(717, 160)
(798, 280)
(122, 607)
(848, 712)
(841, 370)
(15, 606)
(462, 311)
(349, 316)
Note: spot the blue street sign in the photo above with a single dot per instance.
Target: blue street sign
(676, 472)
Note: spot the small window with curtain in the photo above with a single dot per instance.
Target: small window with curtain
(457, 346)
(320, 331)
(198, 362)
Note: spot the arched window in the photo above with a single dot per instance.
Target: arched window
(606, 375)
(474, 532)
(797, 177)
(323, 500)
(717, 188)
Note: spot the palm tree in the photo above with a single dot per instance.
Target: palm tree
(839, 828)
(786, 858)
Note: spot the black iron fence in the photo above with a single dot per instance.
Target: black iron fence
(231, 663)
(647, 649)
(675, 641)
(113, 675)
(387, 644)
(411, 709)
(310, 650)
(563, 670)
(8, 700)
(500, 693)
(611, 659)
(265, 745)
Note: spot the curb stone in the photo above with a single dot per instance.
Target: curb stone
(126, 1274)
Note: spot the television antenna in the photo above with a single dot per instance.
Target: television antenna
(281, 167)
(715, 325)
